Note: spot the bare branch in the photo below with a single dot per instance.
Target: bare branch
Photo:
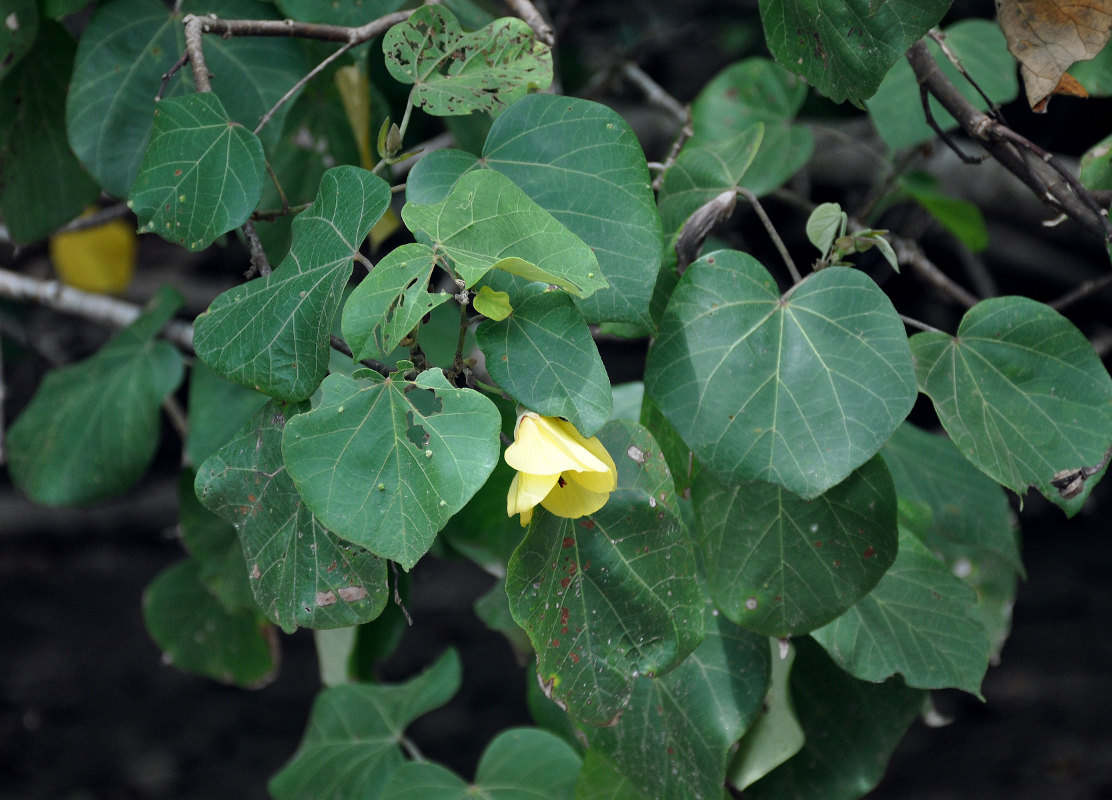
(95, 307)
(1049, 181)
(529, 14)
(1081, 292)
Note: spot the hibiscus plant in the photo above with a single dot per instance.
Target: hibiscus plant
(742, 573)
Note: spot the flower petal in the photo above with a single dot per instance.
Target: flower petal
(570, 499)
(527, 490)
(549, 446)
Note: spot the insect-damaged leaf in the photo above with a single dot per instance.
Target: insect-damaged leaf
(455, 72)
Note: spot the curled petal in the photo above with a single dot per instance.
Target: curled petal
(549, 446)
(526, 491)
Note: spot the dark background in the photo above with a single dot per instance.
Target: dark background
(87, 710)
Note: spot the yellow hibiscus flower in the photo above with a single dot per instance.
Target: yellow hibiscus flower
(557, 468)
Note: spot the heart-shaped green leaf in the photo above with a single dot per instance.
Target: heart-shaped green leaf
(673, 738)
(455, 72)
(351, 745)
(842, 48)
(917, 622)
(202, 174)
(128, 44)
(91, 428)
(1021, 393)
(519, 764)
(782, 565)
(42, 185)
(197, 634)
(799, 390)
(301, 573)
(582, 163)
(609, 597)
(544, 357)
(485, 219)
(390, 302)
(272, 333)
(386, 462)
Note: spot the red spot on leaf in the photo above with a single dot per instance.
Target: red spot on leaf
(555, 642)
(869, 552)
(589, 524)
(574, 657)
(568, 541)
(565, 582)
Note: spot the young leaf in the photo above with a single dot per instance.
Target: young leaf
(455, 72)
(799, 390)
(519, 764)
(783, 566)
(124, 49)
(300, 573)
(42, 185)
(91, 428)
(386, 462)
(826, 223)
(582, 163)
(485, 220)
(674, 736)
(611, 596)
(202, 175)
(197, 634)
(491, 304)
(390, 302)
(351, 747)
(917, 622)
(1020, 391)
(544, 357)
(751, 91)
(847, 47)
(272, 334)
(851, 729)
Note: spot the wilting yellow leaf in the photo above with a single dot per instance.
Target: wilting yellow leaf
(355, 95)
(100, 259)
(1048, 36)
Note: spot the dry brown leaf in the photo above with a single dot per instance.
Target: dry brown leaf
(1048, 36)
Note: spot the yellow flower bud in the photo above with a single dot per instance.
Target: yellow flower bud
(558, 468)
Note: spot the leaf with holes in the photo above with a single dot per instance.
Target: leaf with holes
(917, 622)
(674, 736)
(455, 72)
(1021, 393)
(486, 221)
(519, 763)
(544, 357)
(609, 597)
(390, 302)
(202, 174)
(92, 428)
(782, 565)
(301, 574)
(272, 333)
(842, 48)
(385, 462)
(799, 391)
(351, 745)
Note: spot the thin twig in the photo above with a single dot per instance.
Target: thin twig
(1064, 192)
(340, 345)
(529, 14)
(914, 323)
(1079, 293)
(299, 85)
(940, 39)
(176, 414)
(87, 305)
(655, 95)
(398, 599)
(94, 220)
(685, 133)
(776, 240)
(169, 74)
